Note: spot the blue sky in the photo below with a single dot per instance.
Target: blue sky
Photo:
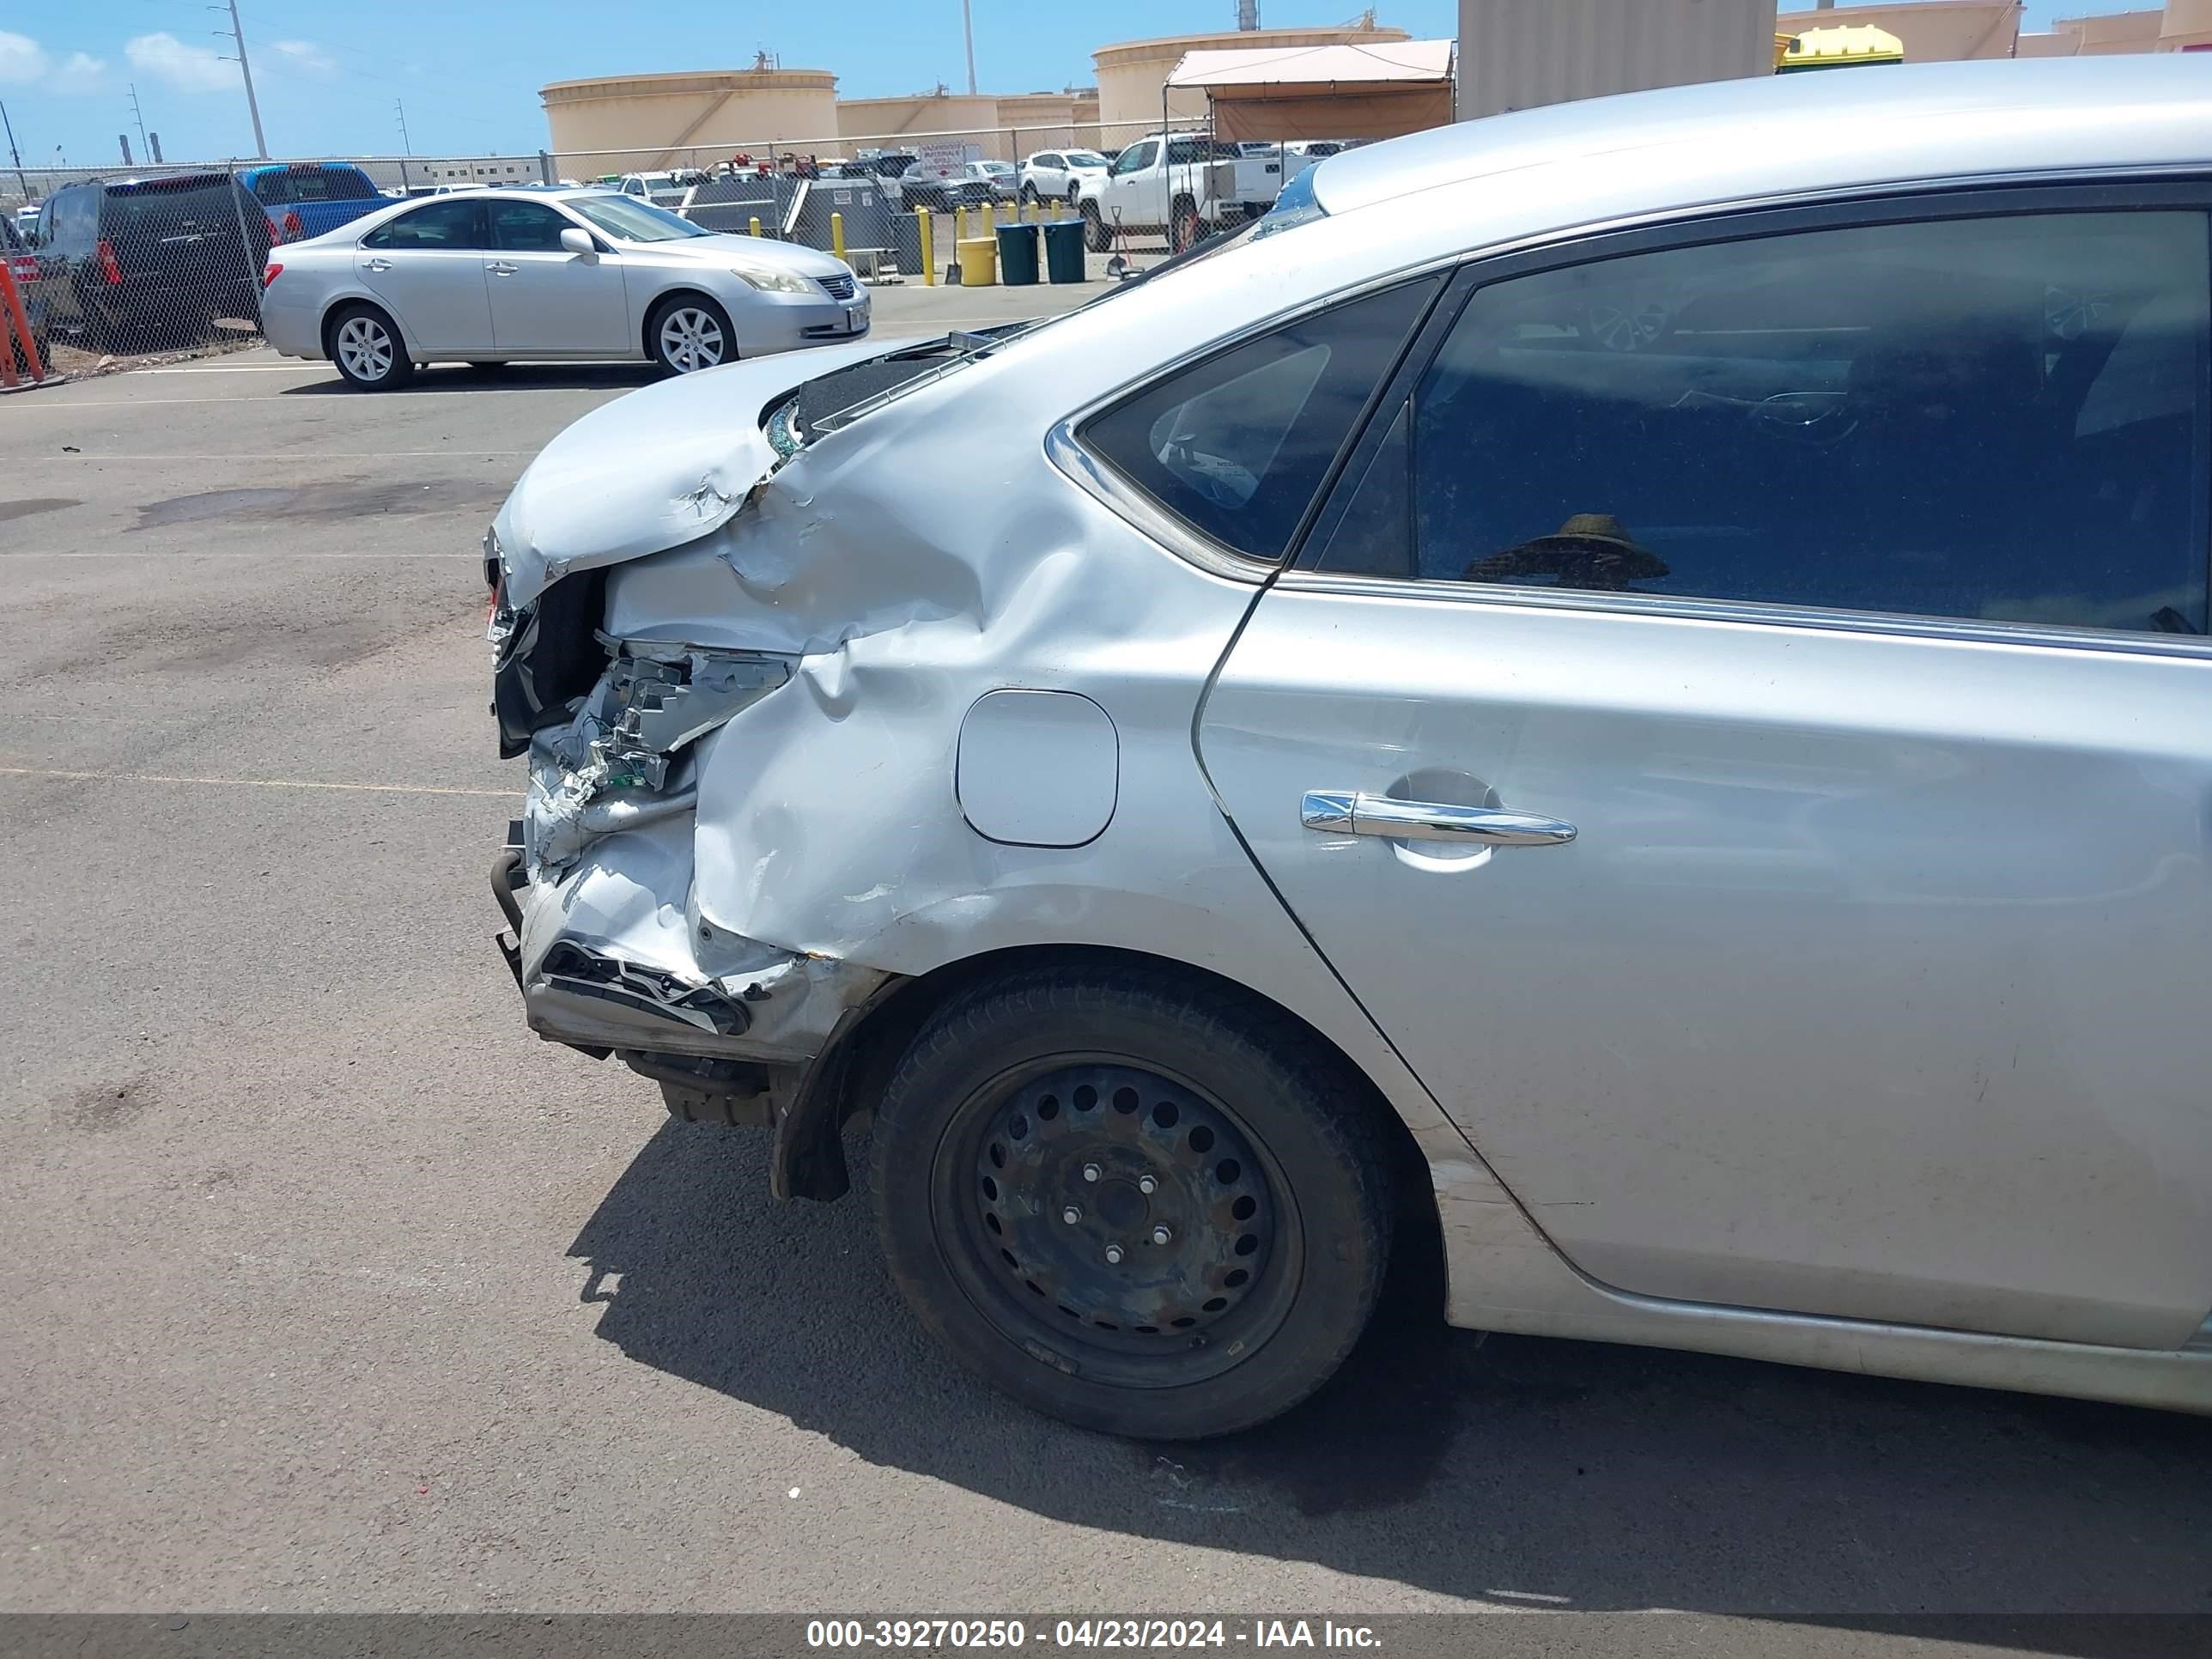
(469, 69)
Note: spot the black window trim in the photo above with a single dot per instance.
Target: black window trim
(2136, 190)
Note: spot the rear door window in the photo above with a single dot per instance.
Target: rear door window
(2000, 418)
(1238, 445)
(455, 223)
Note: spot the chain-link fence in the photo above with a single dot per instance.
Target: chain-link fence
(112, 264)
(115, 264)
(1185, 183)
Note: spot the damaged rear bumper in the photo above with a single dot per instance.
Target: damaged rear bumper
(605, 939)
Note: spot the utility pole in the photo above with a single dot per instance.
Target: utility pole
(246, 72)
(968, 28)
(14, 154)
(140, 119)
(407, 144)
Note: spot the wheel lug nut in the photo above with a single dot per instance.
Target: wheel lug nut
(1161, 1235)
(1070, 1215)
(1090, 1172)
(1113, 1255)
(1146, 1184)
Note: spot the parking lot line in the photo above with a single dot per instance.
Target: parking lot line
(262, 461)
(469, 553)
(250, 783)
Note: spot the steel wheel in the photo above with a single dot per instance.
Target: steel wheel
(1147, 1206)
(1123, 1209)
(692, 337)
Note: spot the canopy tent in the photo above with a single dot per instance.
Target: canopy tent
(1275, 93)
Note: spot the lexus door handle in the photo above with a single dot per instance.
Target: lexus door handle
(377, 264)
(500, 268)
(1343, 813)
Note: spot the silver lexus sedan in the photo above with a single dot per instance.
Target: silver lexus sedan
(1626, 686)
(546, 276)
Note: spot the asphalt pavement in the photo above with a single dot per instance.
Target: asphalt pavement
(329, 1287)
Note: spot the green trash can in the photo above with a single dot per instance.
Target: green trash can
(1063, 251)
(1018, 256)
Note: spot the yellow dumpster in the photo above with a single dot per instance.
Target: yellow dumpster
(979, 262)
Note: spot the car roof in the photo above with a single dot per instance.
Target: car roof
(1820, 131)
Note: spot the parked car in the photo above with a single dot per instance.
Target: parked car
(1180, 184)
(665, 189)
(132, 259)
(23, 268)
(542, 275)
(1714, 830)
(306, 199)
(1062, 175)
(26, 216)
(999, 177)
(943, 186)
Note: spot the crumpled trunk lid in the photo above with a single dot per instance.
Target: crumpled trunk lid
(660, 467)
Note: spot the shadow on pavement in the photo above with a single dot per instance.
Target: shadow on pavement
(517, 377)
(1508, 1470)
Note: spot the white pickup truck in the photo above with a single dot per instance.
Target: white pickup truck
(1180, 183)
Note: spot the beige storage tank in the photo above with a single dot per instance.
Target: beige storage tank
(1042, 120)
(643, 122)
(2187, 23)
(1519, 54)
(1131, 73)
(1933, 30)
(887, 123)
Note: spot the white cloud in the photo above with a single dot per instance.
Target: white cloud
(304, 56)
(80, 72)
(22, 58)
(188, 69)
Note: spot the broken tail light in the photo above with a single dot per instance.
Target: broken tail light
(23, 267)
(293, 230)
(108, 268)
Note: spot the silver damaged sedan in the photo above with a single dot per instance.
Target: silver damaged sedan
(544, 276)
(1626, 685)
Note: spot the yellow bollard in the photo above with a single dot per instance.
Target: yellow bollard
(837, 234)
(756, 224)
(986, 231)
(959, 226)
(928, 254)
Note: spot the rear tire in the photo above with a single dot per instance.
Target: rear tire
(1096, 236)
(688, 332)
(1147, 1206)
(1028, 195)
(367, 346)
(1182, 226)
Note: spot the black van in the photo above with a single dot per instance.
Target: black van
(129, 260)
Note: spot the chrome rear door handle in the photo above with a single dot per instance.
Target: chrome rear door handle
(1346, 812)
(377, 264)
(500, 268)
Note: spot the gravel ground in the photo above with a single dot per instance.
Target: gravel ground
(332, 1288)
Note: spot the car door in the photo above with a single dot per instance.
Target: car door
(1742, 729)
(1049, 175)
(546, 300)
(1125, 192)
(427, 266)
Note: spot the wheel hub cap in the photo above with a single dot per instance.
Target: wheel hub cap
(1124, 1201)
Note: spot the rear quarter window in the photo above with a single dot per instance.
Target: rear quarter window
(1238, 445)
